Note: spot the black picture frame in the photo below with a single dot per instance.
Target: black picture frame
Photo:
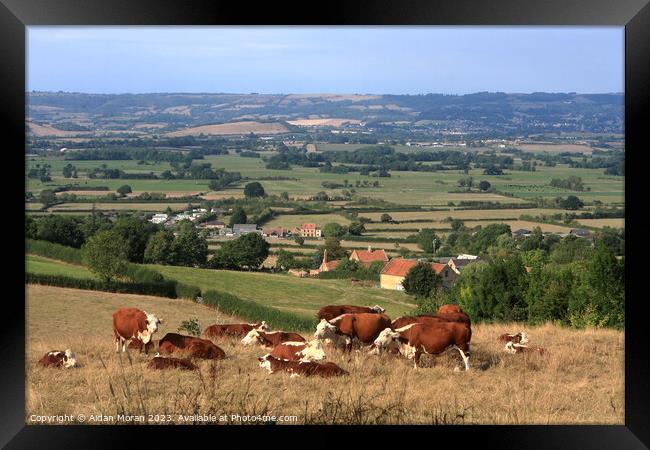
(15, 15)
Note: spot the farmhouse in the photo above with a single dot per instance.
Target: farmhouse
(277, 232)
(240, 229)
(326, 265)
(310, 230)
(212, 225)
(159, 218)
(457, 264)
(395, 271)
(366, 258)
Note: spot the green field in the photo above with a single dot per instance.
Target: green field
(299, 295)
(46, 266)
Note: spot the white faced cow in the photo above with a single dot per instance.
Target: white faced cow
(132, 323)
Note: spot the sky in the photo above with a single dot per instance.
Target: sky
(301, 59)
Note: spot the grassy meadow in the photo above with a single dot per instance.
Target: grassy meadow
(579, 381)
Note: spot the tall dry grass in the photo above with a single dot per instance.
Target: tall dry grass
(579, 381)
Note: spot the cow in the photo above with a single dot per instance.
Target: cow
(352, 328)
(519, 338)
(59, 359)
(435, 338)
(331, 311)
(271, 339)
(136, 344)
(131, 323)
(513, 348)
(447, 309)
(298, 368)
(299, 351)
(192, 346)
(234, 329)
(431, 318)
(162, 362)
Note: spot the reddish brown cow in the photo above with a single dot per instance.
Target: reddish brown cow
(331, 311)
(433, 338)
(192, 346)
(349, 328)
(160, 362)
(59, 359)
(299, 351)
(234, 329)
(271, 339)
(136, 344)
(513, 348)
(448, 309)
(519, 338)
(298, 368)
(131, 323)
(431, 318)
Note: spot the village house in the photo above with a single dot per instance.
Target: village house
(240, 229)
(309, 230)
(327, 265)
(367, 257)
(457, 264)
(582, 233)
(277, 232)
(395, 271)
(159, 218)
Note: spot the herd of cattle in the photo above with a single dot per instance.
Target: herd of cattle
(340, 326)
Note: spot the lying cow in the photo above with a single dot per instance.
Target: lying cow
(131, 323)
(519, 338)
(513, 348)
(59, 359)
(271, 339)
(298, 368)
(189, 345)
(449, 309)
(234, 329)
(352, 328)
(299, 351)
(433, 339)
(331, 311)
(161, 362)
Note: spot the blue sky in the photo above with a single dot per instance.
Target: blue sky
(378, 60)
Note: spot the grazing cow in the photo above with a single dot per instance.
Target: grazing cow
(131, 323)
(331, 311)
(349, 328)
(234, 329)
(136, 344)
(298, 368)
(271, 339)
(435, 338)
(59, 359)
(448, 309)
(432, 318)
(192, 346)
(299, 351)
(513, 348)
(162, 362)
(519, 338)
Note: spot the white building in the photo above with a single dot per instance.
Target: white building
(159, 218)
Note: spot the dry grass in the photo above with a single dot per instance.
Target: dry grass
(581, 379)
(555, 148)
(323, 122)
(232, 128)
(600, 223)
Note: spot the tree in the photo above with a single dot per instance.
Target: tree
(421, 280)
(190, 248)
(493, 170)
(333, 247)
(285, 260)
(299, 240)
(356, 228)
(48, 197)
(124, 189)
(484, 185)
(571, 202)
(425, 239)
(105, 255)
(284, 196)
(246, 252)
(239, 216)
(253, 190)
(487, 236)
(333, 229)
(62, 230)
(457, 224)
(385, 218)
(136, 232)
(160, 248)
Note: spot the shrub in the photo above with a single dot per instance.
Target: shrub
(191, 327)
(55, 251)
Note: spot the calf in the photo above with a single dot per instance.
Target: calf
(271, 339)
(59, 359)
(519, 338)
(350, 328)
(161, 362)
(234, 329)
(299, 351)
(298, 368)
(513, 348)
(435, 338)
(331, 311)
(189, 345)
(136, 344)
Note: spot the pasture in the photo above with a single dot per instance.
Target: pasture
(579, 381)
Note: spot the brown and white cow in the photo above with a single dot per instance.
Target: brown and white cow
(431, 318)
(513, 348)
(189, 345)
(299, 351)
(132, 323)
(59, 359)
(299, 368)
(331, 311)
(433, 339)
(163, 362)
(519, 338)
(271, 339)
(347, 329)
(234, 329)
(449, 309)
